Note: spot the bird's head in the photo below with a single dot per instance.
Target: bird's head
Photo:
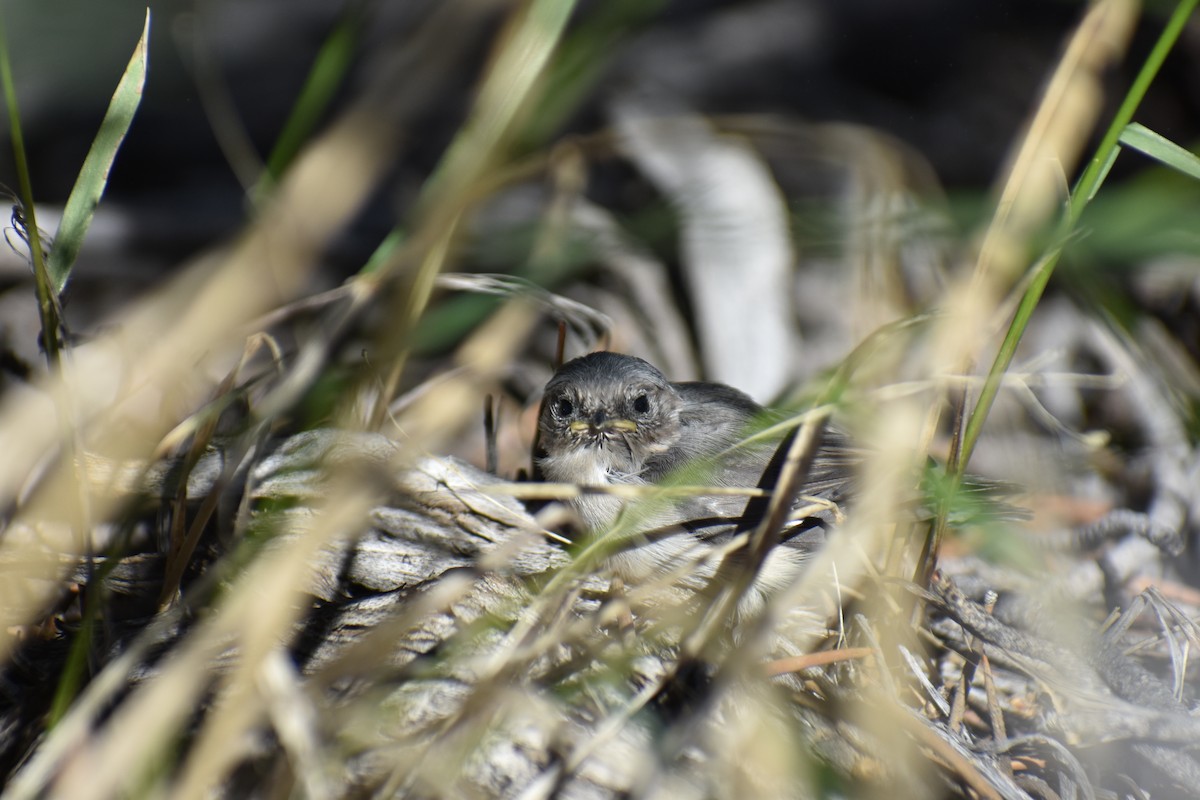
(617, 407)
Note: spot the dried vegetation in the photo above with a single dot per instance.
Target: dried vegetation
(252, 546)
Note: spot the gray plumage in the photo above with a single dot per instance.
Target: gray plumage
(615, 419)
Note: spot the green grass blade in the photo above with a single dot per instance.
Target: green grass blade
(513, 81)
(1083, 192)
(47, 297)
(327, 74)
(582, 60)
(93, 177)
(1161, 149)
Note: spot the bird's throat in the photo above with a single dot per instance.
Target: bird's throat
(588, 464)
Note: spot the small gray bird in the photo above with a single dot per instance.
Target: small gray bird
(608, 419)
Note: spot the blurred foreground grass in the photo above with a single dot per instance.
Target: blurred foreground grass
(277, 611)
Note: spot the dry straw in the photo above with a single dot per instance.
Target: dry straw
(518, 612)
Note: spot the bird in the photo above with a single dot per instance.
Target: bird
(612, 419)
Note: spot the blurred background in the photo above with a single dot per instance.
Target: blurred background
(831, 168)
(951, 82)
(375, 215)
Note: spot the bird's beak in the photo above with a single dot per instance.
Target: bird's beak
(626, 425)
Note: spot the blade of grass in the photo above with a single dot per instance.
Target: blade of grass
(47, 298)
(582, 60)
(93, 177)
(327, 73)
(77, 217)
(1161, 149)
(1084, 190)
(508, 88)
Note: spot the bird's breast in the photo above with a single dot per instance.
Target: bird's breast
(584, 464)
(591, 466)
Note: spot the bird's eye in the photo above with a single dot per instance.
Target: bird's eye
(563, 407)
(641, 403)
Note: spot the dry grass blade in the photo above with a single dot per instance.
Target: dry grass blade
(1034, 186)
(1035, 181)
(360, 613)
(267, 266)
(262, 604)
(508, 89)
